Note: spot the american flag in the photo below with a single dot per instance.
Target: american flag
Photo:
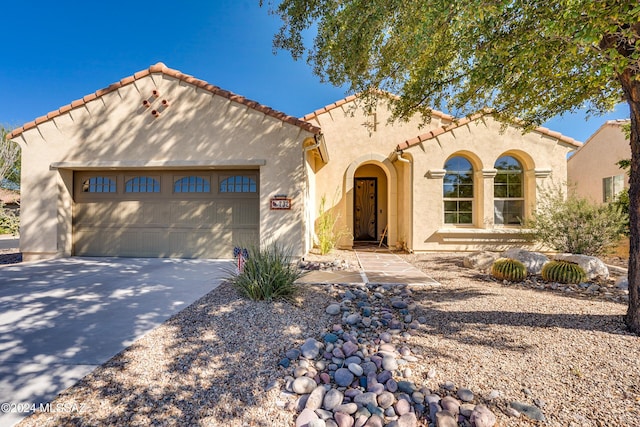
(242, 255)
(241, 262)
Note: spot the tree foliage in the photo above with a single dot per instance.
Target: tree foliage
(9, 159)
(524, 60)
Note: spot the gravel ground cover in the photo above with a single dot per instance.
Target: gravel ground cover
(216, 362)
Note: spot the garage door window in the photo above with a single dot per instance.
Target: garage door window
(238, 184)
(192, 184)
(142, 184)
(99, 184)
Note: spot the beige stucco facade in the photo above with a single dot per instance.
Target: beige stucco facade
(408, 159)
(198, 129)
(379, 178)
(597, 160)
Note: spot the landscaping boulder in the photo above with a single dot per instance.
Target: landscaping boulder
(480, 260)
(532, 260)
(622, 283)
(594, 267)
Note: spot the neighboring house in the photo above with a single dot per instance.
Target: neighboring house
(592, 172)
(162, 164)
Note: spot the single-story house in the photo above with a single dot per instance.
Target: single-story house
(593, 172)
(162, 164)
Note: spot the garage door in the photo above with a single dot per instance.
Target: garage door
(182, 214)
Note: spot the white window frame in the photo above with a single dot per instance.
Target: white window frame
(611, 187)
(499, 219)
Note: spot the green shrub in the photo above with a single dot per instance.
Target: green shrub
(563, 272)
(9, 221)
(509, 269)
(622, 203)
(576, 225)
(268, 274)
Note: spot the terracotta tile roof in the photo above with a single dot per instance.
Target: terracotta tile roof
(618, 122)
(329, 107)
(462, 122)
(439, 131)
(161, 68)
(326, 109)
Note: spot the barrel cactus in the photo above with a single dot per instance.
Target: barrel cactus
(563, 272)
(509, 269)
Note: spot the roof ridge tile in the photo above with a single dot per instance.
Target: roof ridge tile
(160, 67)
(349, 98)
(464, 121)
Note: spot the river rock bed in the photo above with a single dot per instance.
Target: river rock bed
(359, 373)
(216, 362)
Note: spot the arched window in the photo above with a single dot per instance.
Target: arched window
(457, 191)
(99, 184)
(238, 184)
(508, 192)
(142, 184)
(191, 184)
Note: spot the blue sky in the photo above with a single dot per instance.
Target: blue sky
(57, 52)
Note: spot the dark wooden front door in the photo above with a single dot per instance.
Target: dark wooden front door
(365, 219)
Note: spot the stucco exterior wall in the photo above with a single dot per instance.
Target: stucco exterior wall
(196, 130)
(355, 139)
(482, 142)
(415, 201)
(597, 160)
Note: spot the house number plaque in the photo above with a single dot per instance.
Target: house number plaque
(280, 203)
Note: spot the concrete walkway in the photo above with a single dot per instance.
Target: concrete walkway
(377, 266)
(386, 267)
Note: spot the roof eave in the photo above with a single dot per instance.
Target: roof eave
(163, 69)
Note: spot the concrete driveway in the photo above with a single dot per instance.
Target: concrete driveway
(60, 319)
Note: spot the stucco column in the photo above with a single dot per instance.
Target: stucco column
(65, 212)
(540, 178)
(486, 202)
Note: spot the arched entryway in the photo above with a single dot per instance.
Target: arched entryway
(371, 185)
(370, 213)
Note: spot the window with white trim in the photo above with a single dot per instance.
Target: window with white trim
(508, 192)
(611, 187)
(457, 191)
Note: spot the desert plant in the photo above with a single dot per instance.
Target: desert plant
(509, 269)
(326, 231)
(268, 274)
(9, 159)
(563, 272)
(575, 225)
(9, 221)
(621, 203)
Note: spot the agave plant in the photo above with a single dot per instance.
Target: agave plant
(563, 272)
(509, 269)
(268, 274)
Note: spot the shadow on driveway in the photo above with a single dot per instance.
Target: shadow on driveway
(59, 319)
